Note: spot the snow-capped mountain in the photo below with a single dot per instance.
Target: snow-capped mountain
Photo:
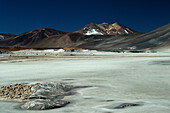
(105, 29)
(105, 37)
(157, 40)
(91, 29)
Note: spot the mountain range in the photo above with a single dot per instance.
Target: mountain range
(102, 37)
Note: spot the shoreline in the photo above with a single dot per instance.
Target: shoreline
(22, 56)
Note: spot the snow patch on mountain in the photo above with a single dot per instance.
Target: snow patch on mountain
(46, 35)
(1, 37)
(126, 32)
(93, 32)
(129, 30)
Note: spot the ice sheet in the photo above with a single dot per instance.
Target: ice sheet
(116, 80)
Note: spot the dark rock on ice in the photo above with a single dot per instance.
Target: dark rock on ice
(124, 105)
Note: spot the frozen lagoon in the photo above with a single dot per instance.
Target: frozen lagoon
(117, 80)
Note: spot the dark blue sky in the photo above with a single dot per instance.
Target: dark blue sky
(18, 16)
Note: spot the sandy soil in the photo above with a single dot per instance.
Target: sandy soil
(116, 80)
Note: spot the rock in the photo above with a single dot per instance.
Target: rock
(48, 91)
(40, 104)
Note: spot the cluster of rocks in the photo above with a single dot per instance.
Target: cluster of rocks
(37, 96)
(16, 92)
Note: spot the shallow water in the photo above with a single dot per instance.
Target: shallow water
(115, 81)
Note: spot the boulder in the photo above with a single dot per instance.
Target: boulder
(41, 104)
(49, 91)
